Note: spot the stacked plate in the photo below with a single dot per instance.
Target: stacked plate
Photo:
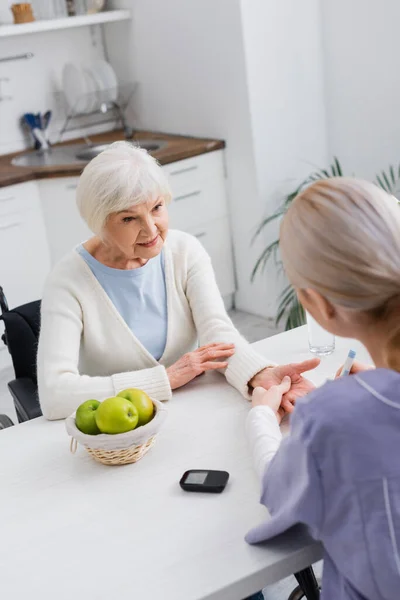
(87, 88)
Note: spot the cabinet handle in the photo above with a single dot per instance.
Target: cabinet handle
(71, 186)
(186, 170)
(7, 198)
(200, 235)
(190, 195)
(9, 225)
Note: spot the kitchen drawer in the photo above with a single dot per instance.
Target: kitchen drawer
(65, 227)
(17, 198)
(188, 174)
(216, 239)
(203, 203)
(25, 261)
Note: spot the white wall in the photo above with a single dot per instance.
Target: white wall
(362, 49)
(35, 84)
(247, 72)
(283, 46)
(188, 58)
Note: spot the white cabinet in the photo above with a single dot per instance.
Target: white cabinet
(199, 206)
(216, 239)
(185, 174)
(201, 203)
(65, 228)
(24, 251)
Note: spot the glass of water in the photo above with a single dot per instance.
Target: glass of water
(320, 341)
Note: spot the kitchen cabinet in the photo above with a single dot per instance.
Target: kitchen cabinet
(199, 206)
(64, 225)
(216, 239)
(24, 251)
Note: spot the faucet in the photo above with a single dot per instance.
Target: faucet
(129, 131)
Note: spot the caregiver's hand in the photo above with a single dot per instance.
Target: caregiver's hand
(300, 385)
(272, 397)
(357, 367)
(192, 364)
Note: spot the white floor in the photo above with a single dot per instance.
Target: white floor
(253, 328)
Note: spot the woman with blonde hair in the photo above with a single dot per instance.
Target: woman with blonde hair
(338, 471)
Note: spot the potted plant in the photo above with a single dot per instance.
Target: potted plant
(289, 307)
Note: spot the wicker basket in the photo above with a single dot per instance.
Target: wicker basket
(120, 449)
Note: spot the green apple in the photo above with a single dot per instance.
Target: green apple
(142, 402)
(116, 415)
(85, 418)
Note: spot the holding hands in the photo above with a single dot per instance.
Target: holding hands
(272, 397)
(300, 386)
(279, 387)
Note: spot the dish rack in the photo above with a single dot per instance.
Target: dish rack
(105, 106)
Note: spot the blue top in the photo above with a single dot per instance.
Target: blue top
(338, 473)
(140, 297)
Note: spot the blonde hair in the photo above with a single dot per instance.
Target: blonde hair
(118, 178)
(341, 238)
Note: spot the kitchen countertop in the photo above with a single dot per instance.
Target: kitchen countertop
(178, 148)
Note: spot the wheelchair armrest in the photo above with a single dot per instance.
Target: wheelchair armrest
(5, 422)
(25, 394)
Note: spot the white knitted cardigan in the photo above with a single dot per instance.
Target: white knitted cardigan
(86, 350)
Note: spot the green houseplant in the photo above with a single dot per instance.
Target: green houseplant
(289, 306)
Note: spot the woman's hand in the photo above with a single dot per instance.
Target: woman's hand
(358, 367)
(272, 376)
(192, 364)
(272, 397)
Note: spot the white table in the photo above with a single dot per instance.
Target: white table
(73, 529)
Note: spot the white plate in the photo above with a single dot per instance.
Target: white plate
(93, 90)
(96, 78)
(104, 74)
(75, 88)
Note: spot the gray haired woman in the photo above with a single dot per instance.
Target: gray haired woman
(136, 305)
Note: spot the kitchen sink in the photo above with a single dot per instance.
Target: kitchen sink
(74, 154)
(92, 151)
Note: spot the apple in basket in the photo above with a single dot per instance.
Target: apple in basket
(85, 418)
(116, 415)
(142, 403)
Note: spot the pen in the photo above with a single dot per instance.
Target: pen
(348, 364)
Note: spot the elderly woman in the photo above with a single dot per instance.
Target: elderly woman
(136, 306)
